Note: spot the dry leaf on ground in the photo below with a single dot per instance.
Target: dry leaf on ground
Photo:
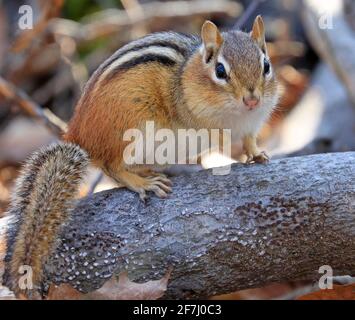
(113, 289)
(338, 292)
(64, 292)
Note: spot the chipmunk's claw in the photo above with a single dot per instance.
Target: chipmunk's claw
(260, 158)
(143, 196)
(160, 185)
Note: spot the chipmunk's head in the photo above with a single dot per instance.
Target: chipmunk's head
(233, 70)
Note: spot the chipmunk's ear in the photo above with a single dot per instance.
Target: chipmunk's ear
(258, 33)
(212, 40)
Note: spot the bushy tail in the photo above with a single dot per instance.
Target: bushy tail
(40, 205)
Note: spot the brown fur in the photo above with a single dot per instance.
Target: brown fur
(129, 98)
(42, 202)
(104, 114)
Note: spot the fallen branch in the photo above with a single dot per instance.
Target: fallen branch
(333, 39)
(31, 52)
(157, 16)
(135, 12)
(21, 99)
(259, 224)
(247, 13)
(50, 10)
(327, 117)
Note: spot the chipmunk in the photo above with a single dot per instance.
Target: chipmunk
(218, 80)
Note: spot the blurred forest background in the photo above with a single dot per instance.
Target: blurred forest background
(43, 70)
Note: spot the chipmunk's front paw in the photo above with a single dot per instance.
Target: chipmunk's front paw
(260, 158)
(158, 184)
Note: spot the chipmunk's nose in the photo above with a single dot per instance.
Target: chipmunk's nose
(251, 101)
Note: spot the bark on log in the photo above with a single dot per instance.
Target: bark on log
(259, 224)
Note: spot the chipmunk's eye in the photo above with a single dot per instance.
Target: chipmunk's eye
(267, 67)
(221, 71)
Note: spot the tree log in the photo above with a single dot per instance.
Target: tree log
(256, 225)
(259, 224)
